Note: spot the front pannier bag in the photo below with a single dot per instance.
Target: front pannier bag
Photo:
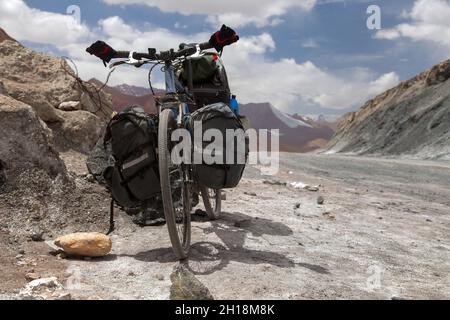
(225, 173)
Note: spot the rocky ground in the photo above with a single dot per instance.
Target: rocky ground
(382, 232)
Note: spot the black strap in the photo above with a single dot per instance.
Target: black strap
(111, 218)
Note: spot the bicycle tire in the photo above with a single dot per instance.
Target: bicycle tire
(180, 242)
(212, 209)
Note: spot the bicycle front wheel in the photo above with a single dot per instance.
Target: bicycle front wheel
(174, 189)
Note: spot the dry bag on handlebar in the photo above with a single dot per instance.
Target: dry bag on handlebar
(210, 82)
(203, 68)
(134, 177)
(223, 161)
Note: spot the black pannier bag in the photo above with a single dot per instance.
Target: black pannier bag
(133, 178)
(223, 175)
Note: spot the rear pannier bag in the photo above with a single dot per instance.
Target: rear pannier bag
(133, 178)
(224, 174)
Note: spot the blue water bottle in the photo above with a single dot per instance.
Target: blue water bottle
(234, 105)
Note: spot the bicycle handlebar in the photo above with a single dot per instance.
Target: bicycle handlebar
(163, 55)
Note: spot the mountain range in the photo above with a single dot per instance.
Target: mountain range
(297, 133)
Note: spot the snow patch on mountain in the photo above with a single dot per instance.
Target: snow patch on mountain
(288, 120)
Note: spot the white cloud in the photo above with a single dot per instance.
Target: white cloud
(253, 76)
(429, 21)
(288, 84)
(236, 13)
(25, 23)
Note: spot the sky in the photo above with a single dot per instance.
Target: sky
(302, 56)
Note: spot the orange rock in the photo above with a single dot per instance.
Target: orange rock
(85, 244)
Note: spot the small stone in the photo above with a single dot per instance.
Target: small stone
(131, 274)
(320, 200)
(312, 189)
(61, 256)
(429, 220)
(160, 277)
(19, 256)
(90, 178)
(329, 215)
(297, 206)
(32, 276)
(37, 236)
(252, 194)
(70, 106)
(21, 251)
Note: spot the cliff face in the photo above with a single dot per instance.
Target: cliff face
(411, 119)
(4, 36)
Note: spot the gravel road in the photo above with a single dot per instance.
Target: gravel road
(381, 233)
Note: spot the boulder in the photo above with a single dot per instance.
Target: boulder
(85, 244)
(79, 131)
(47, 84)
(26, 141)
(37, 79)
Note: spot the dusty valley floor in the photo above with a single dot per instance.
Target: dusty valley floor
(382, 232)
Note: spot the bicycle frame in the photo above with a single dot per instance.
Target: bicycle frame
(173, 86)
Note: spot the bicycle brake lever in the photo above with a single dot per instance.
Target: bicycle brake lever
(197, 54)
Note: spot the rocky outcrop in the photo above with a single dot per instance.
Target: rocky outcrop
(411, 119)
(4, 36)
(26, 141)
(49, 85)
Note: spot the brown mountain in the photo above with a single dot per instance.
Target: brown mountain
(412, 119)
(122, 100)
(297, 134)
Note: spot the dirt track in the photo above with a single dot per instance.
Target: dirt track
(382, 233)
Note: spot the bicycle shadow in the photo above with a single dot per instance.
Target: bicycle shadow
(232, 229)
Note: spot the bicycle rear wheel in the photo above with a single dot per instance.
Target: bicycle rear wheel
(175, 190)
(213, 202)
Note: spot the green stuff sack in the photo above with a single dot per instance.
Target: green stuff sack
(203, 68)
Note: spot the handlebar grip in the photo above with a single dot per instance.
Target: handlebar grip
(122, 54)
(205, 46)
